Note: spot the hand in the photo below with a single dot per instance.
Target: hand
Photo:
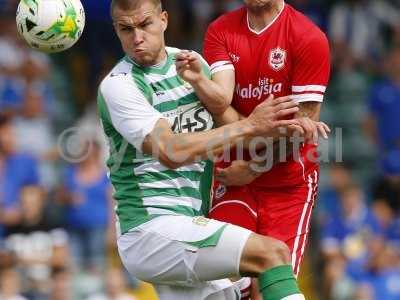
(237, 174)
(311, 129)
(267, 116)
(189, 66)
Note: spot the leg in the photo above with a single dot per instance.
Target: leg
(269, 260)
(235, 205)
(169, 251)
(285, 214)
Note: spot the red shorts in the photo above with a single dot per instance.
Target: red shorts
(283, 213)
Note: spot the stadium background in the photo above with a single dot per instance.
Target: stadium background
(47, 106)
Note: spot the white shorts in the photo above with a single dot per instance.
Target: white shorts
(185, 258)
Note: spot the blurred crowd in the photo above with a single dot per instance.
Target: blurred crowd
(57, 237)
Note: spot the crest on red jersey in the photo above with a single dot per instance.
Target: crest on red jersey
(277, 59)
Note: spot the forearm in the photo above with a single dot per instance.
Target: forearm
(310, 110)
(176, 150)
(213, 96)
(228, 117)
(191, 147)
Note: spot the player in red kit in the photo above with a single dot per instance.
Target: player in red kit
(268, 48)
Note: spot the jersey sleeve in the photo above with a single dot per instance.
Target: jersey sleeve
(129, 110)
(215, 50)
(311, 68)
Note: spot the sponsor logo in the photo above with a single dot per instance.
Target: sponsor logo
(118, 74)
(235, 58)
(277, 59)
(220, 191)
(264, 88)
(201, 221)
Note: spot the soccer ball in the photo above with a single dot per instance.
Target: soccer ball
(50, 25)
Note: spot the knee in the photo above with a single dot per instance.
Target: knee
(274, 253)
(265, 254)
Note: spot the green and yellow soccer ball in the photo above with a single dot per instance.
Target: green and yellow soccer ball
(50, 25)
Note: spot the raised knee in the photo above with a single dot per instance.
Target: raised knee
(274, 253)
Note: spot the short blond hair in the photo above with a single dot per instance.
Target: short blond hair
(131, 4)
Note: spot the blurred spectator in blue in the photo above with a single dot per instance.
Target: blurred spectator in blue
(356, 28)
(353, 229)
(383, 274)
(10, 285)
(37, 244)
(88, 212)
(382, 123)
(17, 170)
(386, 191)
(20, 67)
(329, 199)
(34, 136)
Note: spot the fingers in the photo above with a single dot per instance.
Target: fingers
(323, 129)
(295, 128)
(286, 112)
(283, 103)
(221, 175)
(290, 124)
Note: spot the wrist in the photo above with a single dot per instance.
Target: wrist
(199, 80)
(248, 127)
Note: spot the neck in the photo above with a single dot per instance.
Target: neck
(259, 18)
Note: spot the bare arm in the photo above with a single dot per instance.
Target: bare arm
(216, 94)
(175, 150)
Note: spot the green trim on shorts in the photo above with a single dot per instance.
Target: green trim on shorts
(210, 241)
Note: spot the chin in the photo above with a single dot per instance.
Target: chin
(144, 60)
(257, 3)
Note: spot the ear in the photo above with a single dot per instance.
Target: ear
(164, 20)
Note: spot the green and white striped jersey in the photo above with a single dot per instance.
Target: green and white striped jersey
(131, 100)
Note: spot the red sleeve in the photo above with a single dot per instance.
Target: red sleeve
(215, 50)
(311, 68)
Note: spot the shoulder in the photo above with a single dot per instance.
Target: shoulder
(121, 82)
(303, 30)
(119, 75)
(23, 159)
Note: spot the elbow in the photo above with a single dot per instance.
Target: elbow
(170, 163)
(169, 157)
(220, 107)
(219, 110)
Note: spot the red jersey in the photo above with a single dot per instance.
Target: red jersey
(288, 57)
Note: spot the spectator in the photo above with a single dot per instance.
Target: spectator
(34, 136)
(329, 203)
(17, 170)
(90, 195)
(19, 67)
(382, 123)
(37, 245)
(61, 284)
(351, 231)
(116, 288)
(356, 28)
(10, 285)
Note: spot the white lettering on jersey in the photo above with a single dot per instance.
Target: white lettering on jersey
(265, 87)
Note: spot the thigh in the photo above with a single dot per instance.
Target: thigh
(234, 205)
(285, 214)
(205, 291)
(185, 251)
